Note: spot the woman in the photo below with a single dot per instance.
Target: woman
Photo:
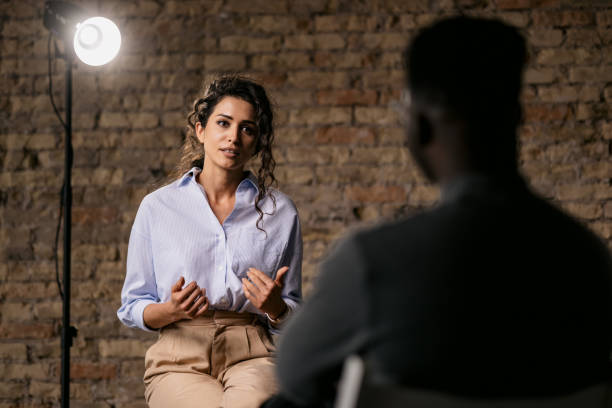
(214, 259)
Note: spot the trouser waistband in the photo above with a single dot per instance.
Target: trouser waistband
(224, 317)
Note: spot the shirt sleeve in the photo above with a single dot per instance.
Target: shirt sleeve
(139, 289)
(331, 325)
(291, 257)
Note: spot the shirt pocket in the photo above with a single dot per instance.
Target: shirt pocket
(254, 250)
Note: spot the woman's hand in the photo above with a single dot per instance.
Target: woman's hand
(265, 293)
(185, 303)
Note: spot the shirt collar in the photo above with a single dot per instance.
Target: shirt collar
(250, 181)
(189, 175)
(475, 183)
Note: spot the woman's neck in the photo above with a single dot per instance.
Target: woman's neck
(219, 184)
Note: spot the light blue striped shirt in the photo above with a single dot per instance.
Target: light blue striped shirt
(176, 234)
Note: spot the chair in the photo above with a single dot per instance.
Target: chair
(354, 393)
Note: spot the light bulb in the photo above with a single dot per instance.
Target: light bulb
(97, 41)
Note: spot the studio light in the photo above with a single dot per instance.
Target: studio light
(95, 41)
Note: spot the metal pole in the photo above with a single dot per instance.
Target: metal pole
(67, 330)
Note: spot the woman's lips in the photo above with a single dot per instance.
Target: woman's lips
(230, 152)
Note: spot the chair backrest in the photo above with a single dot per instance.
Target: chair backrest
(353, 393)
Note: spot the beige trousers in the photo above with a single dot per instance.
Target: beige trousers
(222, 359)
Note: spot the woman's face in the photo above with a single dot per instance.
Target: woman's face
(230, 134)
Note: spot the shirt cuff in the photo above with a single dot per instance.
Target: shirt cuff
(138, 314)
(277, 323)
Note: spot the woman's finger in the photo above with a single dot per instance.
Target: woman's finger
(262, 276)
(247, 293)
(203, 308)
(260, 279)
(254, 290)
(178, 285)
(187, 291)
(185, 305)
(280, 276)
(196, 305)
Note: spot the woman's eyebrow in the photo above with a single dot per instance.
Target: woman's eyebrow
(231, 118)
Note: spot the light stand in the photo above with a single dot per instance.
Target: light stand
(95, 41)
(68, 331)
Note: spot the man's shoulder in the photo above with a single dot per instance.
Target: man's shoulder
(404, 227)
(388, 239)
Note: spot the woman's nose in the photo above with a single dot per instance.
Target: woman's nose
(233, 135)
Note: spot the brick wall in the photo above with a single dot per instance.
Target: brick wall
(333, 68)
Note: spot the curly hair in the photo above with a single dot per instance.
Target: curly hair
(248, 90)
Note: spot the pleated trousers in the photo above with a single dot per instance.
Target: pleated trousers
(221, 359)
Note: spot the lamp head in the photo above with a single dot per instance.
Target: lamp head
(61, 18)
(96, 40)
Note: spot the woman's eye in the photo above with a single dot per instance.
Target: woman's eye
(248, 130)
(223, 123)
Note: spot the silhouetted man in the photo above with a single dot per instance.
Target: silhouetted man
(492, 293)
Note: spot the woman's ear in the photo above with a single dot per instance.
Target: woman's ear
(199, 131)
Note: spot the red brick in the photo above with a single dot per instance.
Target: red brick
(317, 155)
(27, 331)
(608, 209)
(597, 170)
(390, 96)
(329, 41)
(299, 42)
(250, 44)
(562, 56)
(604, 18)
(590, 74)
(93, 371)
(383, 79)
(94, 215)
(228, 62)
(587, 111)
(13, 351)
(376, 115)
(319, 80)
(277, 24)
(345, 135)
(602, 228)
(320, 115)
(545, 112)
(406, 6)
(346, 97)
(332, 22)
(584, 37)
(256, 6)
(515, 18)
(606, 130)
(376, 194)
(294, 174)
(270, 79)
(192, 8)
(337, 60)
(130, 9)
(385, 41)
(549, 18)
(525, 4)
(542, 37)
(282, 61)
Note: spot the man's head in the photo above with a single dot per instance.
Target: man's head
(464, 78)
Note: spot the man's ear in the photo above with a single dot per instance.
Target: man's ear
(424, 130)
